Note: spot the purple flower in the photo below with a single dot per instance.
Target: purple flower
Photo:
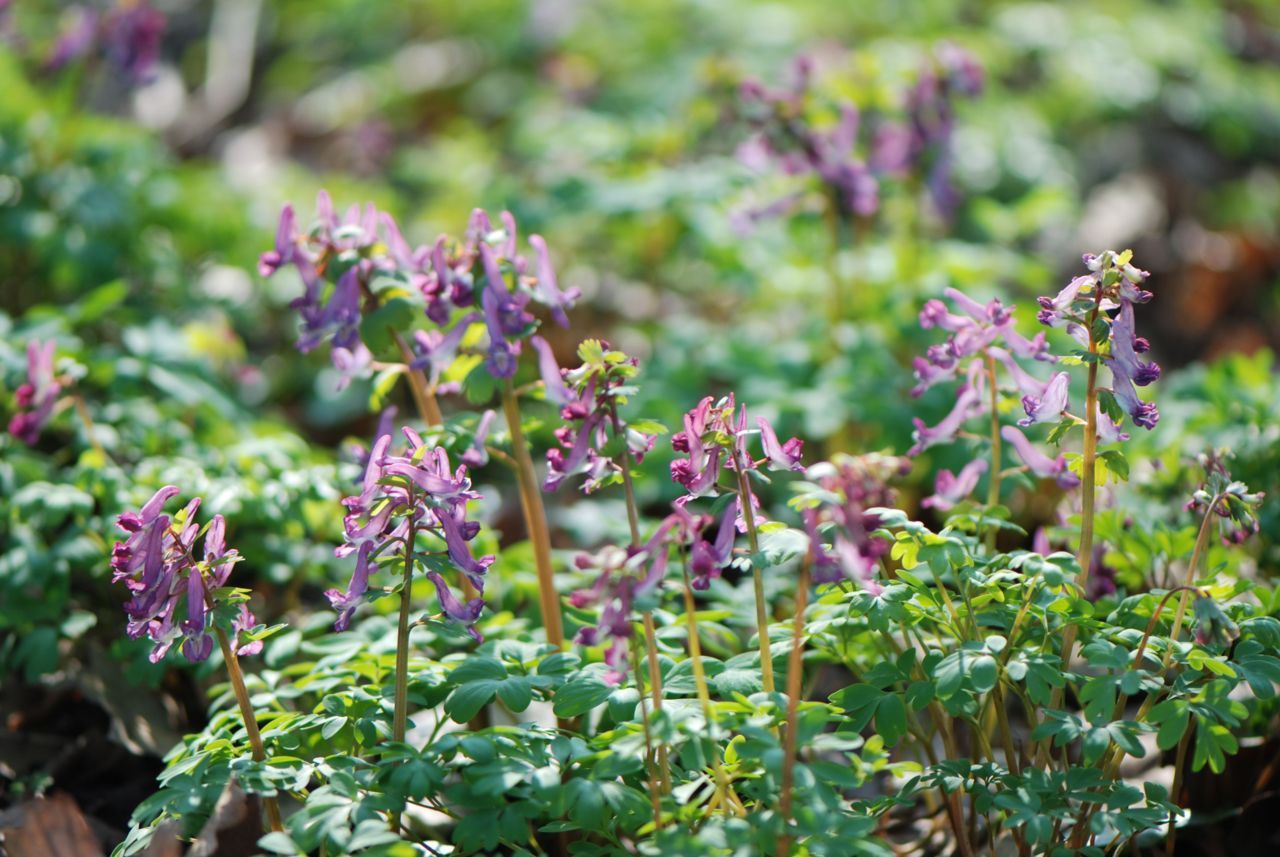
(1084, 308)
(547, 289)
(75, 39)
(782, 456)
(707, 558)
(477, 455)
(783, 133)
(622, 575)
(156, 563)
(950, 489)
(970, 402)
(436, 351)
(36, 397)
(716, 434)
(1037, 462)
(132, 35)
(1231, 500)
(1050, 404)
(417, 488)
(854, 485)
(951, 72)
(1144, 414)
(590, 403)
(975, 332)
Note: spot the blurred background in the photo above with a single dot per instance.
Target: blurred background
(146, 149)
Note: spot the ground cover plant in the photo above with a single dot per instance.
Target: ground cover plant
(868, 524)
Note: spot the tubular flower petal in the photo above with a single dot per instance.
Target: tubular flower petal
(950, 489)
(1037, 462)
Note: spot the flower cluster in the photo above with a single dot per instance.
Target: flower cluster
(715, 436)
(157, 563)
(838, 500)
(417, 489)
(923, 144)
(128, 37)
(589, 398)
(784, 134)
(340, 261)
(623, 575)
(1084, 309)
(974, 332)
(976, 335)
(1231, 500)
(35, 398)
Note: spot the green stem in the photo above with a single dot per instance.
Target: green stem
(400, 719)
(270, 807)
(650, 633)
(704, 694)
(795, 669)
(1178, 762)
(757, 576)
(535, 519)
(655, 793)
(1089, 461)
(993, 484)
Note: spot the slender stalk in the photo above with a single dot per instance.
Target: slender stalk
(993, 486)
(646, 616)
(704, 694)
(1089, 461)
(1116, 754)
(535, 519)
(941, 723)
(1202, 541)
(82, 411)
(269, 805)
(795, 669)
(757, 576)
(655, 792)
(400, 718)
(1175, 791)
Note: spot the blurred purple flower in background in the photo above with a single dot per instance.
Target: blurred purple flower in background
(853, 485)
(949, 488)
(35, 398)
(347, 265)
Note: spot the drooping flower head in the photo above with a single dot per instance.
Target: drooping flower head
(1231, 500)
(835, 502)
(35, 398)
(1096, 309)
(416, 488)
(715, 436)
(595, 436)
(174, 594)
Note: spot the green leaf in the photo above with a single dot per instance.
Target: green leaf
(891, 718)
(466, 700)
(580, 694)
